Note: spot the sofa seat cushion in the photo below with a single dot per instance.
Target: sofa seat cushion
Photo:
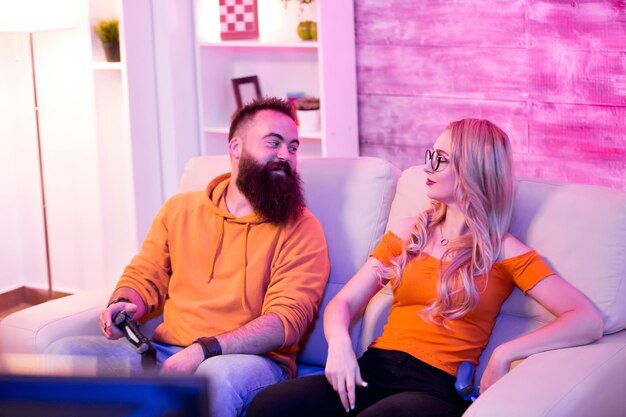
(579, 230)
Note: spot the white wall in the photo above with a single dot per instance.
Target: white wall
(177, 86)
(114, 143)
(21, 218)
(70, 169)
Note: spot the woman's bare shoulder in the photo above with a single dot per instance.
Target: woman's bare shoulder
(512, 247)
(402, 228)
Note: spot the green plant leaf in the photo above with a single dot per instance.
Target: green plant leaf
(107, 30)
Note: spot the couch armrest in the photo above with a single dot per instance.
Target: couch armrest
(31, 330)
(574, 382)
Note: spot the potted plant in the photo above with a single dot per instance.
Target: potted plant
(108, 32)
(308, 113)
(307, 29)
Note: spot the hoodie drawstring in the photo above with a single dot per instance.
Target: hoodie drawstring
(218, 240)
(245, 264)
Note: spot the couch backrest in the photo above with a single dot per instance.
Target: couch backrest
(580, 230)
(351, 197)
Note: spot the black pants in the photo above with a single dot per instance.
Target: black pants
(398, 385)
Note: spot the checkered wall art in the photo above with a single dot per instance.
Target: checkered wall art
(239, 19)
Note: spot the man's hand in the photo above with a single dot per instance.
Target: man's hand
(110, 330)
(184, 362)
(343, 373)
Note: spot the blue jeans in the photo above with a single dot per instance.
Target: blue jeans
(233, 380)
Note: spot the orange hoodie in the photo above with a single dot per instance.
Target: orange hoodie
(214, 272)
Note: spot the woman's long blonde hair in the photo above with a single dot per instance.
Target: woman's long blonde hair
(480, 156)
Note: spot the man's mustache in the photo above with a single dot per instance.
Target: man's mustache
(280, 166)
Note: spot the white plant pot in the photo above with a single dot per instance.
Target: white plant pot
(309, 120)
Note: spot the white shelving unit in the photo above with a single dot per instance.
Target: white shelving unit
(107, 66)
(117, 191)
(284, 64)
(145, 115)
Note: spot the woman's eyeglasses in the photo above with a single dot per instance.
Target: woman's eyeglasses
(437, 161)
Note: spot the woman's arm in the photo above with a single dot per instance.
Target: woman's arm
(577, 323)
(342, 370)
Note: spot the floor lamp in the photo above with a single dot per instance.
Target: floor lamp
(29, 16)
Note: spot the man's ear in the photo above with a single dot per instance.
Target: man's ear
(234, 147)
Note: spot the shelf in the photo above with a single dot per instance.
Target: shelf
(310, 135)
(257, 44)
(283, 64)
(107, 66)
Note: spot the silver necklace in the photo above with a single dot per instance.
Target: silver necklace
(443, 241)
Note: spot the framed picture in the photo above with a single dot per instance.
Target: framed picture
(239, 19)
(246, 89)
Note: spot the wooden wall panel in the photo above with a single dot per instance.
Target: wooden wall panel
(577, 76)
(550, 73)
(435, 22)
(576, 132)
(497, 73)
(587, 25)
(578, 171)
(418, 121)
(402, 156)
(599, 171)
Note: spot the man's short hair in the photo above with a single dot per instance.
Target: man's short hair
(248, 111)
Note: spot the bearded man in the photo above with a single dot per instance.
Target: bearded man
(239, 270)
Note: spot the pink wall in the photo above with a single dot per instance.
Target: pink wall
(551, 73)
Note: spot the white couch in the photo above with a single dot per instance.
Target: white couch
(580, 230)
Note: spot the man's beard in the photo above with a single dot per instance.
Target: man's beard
(276, 197)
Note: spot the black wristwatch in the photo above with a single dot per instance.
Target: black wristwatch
(119, 300)
(210, 346)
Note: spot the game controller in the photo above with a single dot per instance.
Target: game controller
(465, 382)
(131, 330)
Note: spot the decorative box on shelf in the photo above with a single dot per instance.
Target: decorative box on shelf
(239, 19)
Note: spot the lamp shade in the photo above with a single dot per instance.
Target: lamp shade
(36, 15)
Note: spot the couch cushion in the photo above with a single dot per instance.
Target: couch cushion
(581, 232)
(410, 199)
(351, 198)
(202, 169)
(33, 329)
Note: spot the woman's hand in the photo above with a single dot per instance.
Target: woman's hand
(343, 373)
(184, 362)
(577, 323)
(496, 368)
(342, 369)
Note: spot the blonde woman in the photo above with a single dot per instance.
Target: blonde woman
(451, 268)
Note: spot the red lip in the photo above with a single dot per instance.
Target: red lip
(429, 182)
